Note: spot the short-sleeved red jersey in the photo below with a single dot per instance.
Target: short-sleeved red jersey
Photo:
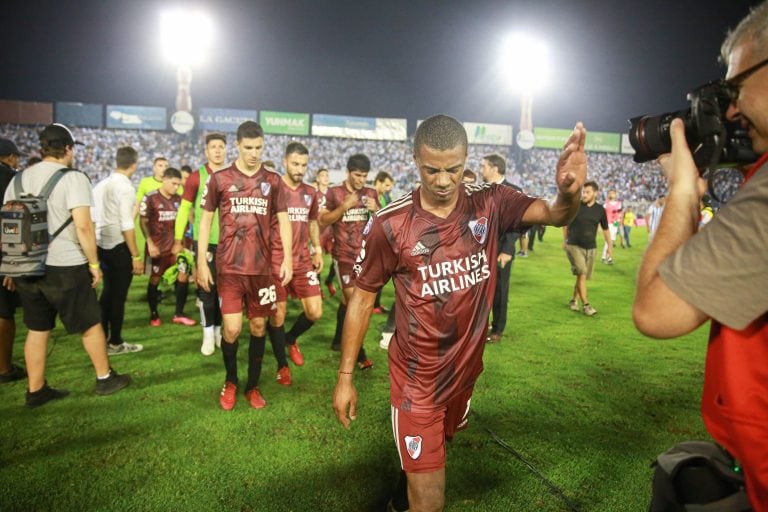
(161, 214)
(444, 272)
(348, 230)
(246, 206)
(302, 207)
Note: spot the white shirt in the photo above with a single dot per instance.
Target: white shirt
(115, 199)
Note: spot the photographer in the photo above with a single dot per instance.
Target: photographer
(686, 277)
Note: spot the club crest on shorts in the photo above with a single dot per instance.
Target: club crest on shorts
(345, 279)
(413, 445)
(265, 188)
(307, 199)
(479, 229)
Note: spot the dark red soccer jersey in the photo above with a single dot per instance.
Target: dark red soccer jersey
(246, 206)
(348, 230)
(444, 272)
(302, 207)
(161, 215)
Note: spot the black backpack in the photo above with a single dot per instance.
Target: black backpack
(25, 238)
(698, 476)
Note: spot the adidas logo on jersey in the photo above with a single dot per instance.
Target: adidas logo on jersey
(419, 249)
(232, 188)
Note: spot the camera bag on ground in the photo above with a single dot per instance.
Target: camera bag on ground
(25, 238)
(698, 476)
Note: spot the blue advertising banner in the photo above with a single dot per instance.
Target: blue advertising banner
(224, 119)
(134, 117)
(80, 114)
(373, 128)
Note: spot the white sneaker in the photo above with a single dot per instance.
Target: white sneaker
(217, 335)
(123, 348)
(589, 310)
(386, 337)
(209, 345)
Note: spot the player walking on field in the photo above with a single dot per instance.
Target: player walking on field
(440, 244)
(247, 196)
(348, 207)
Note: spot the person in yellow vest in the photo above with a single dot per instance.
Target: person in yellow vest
(207, 301)
(627, 223)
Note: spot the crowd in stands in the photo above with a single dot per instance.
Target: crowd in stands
(531, 170)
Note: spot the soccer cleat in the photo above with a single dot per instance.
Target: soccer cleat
(573, 305)
(155, 322)
(284, 376)
(494, 337)
(44, 395)
(14, 374)
(255, 399)
(331, 288)
(124, 348)
(183, 320)
(112, 384)
(228, 396)
(589, 310)
(365, 364)
(295, 354)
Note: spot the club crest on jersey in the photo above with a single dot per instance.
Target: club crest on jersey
(345, 279)
(265, 188)
(367, 228)
(413, 445)
(479, 229)
(307, 199)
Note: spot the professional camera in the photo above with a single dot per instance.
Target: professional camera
(714, 141)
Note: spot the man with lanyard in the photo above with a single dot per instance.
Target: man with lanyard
(208, 301)
(686, 278)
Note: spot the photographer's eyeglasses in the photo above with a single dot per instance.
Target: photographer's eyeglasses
(732, 86)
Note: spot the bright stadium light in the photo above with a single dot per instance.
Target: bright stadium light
(185, 36)
(525, 64)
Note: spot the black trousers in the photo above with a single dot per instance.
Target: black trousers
(117, 267)
(500, 298)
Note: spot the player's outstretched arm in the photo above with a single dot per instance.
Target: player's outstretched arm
(355, 325)
(286, 237)
(570, 175)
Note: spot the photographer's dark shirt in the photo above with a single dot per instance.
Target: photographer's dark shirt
(583, 230)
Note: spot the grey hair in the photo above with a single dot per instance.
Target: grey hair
(753, 29)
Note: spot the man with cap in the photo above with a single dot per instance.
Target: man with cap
(72, 271)
(9, 299)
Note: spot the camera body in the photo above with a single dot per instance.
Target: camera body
(714, 141)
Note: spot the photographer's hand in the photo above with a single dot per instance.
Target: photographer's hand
(678, 166)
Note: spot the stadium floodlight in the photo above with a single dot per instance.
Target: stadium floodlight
(525, 64)
(185, 36)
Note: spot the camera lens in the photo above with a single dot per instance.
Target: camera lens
(649, 135)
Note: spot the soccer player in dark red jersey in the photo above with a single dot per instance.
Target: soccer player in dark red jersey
(157, 214)
(440, 245)
(322, 180)
(208, 301)
(247, 196)
(348, 207)
(302, 212)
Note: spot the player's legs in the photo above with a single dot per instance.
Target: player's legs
(153, 299)
(426, 491)
(35, 350)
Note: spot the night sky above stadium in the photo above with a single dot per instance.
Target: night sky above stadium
(612, 59)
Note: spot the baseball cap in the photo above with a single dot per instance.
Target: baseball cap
(7, 147)
(57, 134)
